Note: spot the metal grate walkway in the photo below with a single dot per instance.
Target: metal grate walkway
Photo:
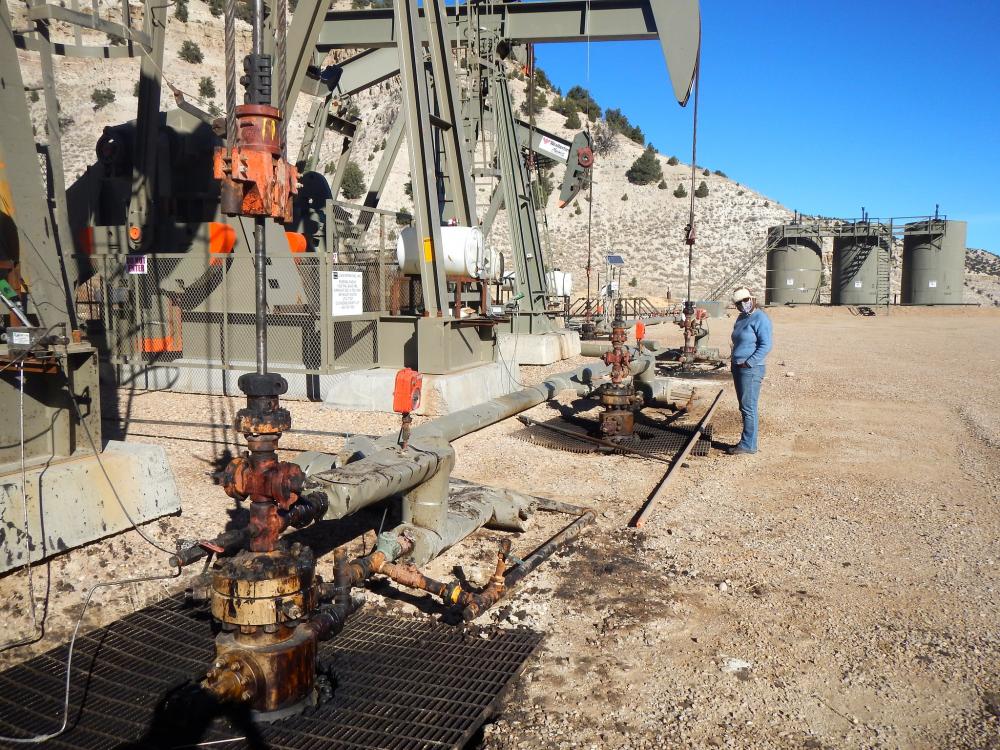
(397, 683)
(660, 441)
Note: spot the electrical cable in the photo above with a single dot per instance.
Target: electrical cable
(111, 484)
(105, 584)
(69, 656)
(36, 632)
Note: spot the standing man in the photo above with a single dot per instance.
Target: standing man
(752, 336)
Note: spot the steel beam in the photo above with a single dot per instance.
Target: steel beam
(26, 231)
(392, 143)
(416, 114)
(460, 190)
(526, 245)
(147, 126)
(89, 21)
(676, 23)
(304, 30)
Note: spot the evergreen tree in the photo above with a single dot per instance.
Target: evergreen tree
(181, 10)
(206, 88)
(673, 161)
(662, 185)
(646, 169)
(540, 101)
(573, 121)
(541, 79)
(619, 123)
(190, 52)
(354, 182)
(680, 192)
(584, 102)
(702, 191)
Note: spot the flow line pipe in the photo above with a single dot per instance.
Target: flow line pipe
(536, 558)
(640, 520)
(465, 421)
(220, 426)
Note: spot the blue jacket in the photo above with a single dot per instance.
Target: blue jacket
(752, 338)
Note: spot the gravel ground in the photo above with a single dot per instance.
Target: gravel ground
(837, 590)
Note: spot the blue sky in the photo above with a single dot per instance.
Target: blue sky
(827, 106)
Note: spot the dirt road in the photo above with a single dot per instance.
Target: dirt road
(839, 589)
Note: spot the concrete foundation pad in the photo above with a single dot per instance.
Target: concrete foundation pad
(541, 348)
(371, 390)
(70, 503)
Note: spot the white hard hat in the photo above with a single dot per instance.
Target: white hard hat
(741, 294)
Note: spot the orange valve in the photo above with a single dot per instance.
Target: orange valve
(406, 395)
(135, 233)
(640, 331)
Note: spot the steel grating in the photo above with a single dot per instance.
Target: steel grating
(398, 683)
(660, 441)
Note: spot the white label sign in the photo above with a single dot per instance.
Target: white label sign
(789, 282)
(136, 264)
(559, 150)
(857, 284)
(21, 338)
(932, 284)
(347, 293)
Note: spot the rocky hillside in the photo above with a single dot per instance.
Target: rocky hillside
(982, 284)
(644, 223)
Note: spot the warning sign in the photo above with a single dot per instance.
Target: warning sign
(347, 293)
(136, 264)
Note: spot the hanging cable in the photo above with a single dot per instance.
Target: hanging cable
(229, 39)
(690, 231)
(590, 179)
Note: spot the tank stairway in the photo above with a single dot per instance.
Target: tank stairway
(883, 281)
(732, 279)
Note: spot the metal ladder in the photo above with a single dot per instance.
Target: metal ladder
(883, 279)
(730, 280)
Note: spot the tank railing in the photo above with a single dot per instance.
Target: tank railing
(892, 227)
(728, 281)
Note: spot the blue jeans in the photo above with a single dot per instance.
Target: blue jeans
(747, 381)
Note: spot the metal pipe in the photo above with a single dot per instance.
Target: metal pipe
(594, 348)
(220, 426)
(640, 520)
(465, 421)
(536, 558)
(260, 284)
(257, 27)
